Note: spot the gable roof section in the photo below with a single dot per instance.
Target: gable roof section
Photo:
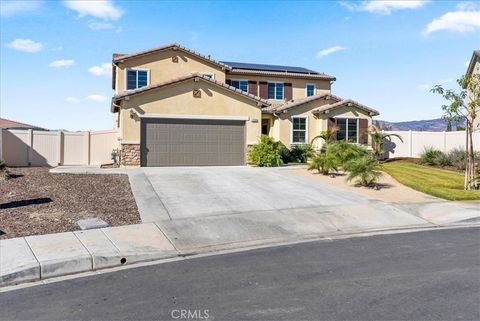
(11, 124)
(346, 102)
(264, 67)
(299, 102)
(196, 75)
(473, 60)
(174, 46)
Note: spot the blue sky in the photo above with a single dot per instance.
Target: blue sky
(54, 56)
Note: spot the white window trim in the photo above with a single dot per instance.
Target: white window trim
(211, 74)
(248, 85)
(314, 89)
(358, 127)
(306, 130)
(136, 69)
(275, 93)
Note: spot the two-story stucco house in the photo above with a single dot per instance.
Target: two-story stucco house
(177, 107)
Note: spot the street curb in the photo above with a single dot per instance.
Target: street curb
(107, 260)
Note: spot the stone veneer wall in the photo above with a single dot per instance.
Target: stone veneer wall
(130, 155)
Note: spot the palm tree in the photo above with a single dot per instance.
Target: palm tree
(378, 140)
(328, 135)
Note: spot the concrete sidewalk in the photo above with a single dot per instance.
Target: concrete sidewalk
(39, 257)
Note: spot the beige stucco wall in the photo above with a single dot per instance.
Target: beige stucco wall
(163, 69)
(298, 85)
(178, 99)
(282, 129)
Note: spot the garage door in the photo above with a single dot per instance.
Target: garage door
(192, 142)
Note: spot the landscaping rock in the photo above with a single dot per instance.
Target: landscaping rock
(92, 223)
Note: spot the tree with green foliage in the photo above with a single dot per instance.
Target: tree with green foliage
(324, 163)
(378, 139)
(345, 151)
(463, 105)
(266, 153)
(327, 135)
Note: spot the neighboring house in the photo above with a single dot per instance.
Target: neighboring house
(174, 106)
(473, 69)
(11, 124)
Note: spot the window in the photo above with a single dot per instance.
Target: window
(299, 130)
(310, 90)
(240, 84)
(275, 90)
(347, 129)
(137, 78)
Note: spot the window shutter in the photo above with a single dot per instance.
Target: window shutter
(362, 130)
(287, 88)
(263, 89)
(252, 87)
(228, 82)
(332, 123)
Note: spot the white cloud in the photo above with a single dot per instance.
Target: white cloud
(61, 63)
(446, 81)
(384, 7)
(72, 100)
(96, 98)
(26, 45)
(459, 21)
(424, 86)
(10, 8)
(100, 25)
(328, 51)
(102, 9)
(104, 69)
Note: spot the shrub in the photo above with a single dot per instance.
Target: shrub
(4, 173)
(301, 153)
(364, 169)
(443, 159)
(458, 157)
(324, 163)
(430, 156)
(344, 151)
(266, 153)
(285, 154)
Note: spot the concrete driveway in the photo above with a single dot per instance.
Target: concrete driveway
(207, 191)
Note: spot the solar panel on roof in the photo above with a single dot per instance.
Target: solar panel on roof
(243, 65)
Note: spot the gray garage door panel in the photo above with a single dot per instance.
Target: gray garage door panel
(192, 142)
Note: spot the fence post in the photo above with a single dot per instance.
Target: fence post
(410, 143)
(30, 147)
(87, 147)
(444, 141)
(59, 148)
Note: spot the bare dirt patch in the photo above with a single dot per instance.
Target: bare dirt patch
(389, 189)
(35, 201)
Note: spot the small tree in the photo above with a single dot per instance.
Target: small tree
(378, 139)
(464, 105)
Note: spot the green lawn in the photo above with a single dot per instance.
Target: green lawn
(434, 181)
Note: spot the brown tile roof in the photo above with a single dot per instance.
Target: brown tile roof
(118, 57)
(11, 124)
(322, 76)
(347, 102)
(298, 102)
(197, 75)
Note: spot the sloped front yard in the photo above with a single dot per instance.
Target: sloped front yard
(35, 201)
(434, 181)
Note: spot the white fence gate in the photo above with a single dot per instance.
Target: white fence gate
(414, 143)
(42, 148)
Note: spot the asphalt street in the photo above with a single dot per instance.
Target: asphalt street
(432, 275)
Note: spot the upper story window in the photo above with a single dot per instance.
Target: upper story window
(310, 90)
(275, 90)
(347, 129)
(299, 130)
(137, 78)
(240, 84)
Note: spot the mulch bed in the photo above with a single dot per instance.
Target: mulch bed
(35, 201)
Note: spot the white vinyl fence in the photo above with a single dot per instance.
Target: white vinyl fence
(41, 148)
(414, 142)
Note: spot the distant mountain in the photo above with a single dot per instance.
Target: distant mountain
(432, 125)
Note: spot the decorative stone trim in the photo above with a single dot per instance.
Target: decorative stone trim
(130, 155)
